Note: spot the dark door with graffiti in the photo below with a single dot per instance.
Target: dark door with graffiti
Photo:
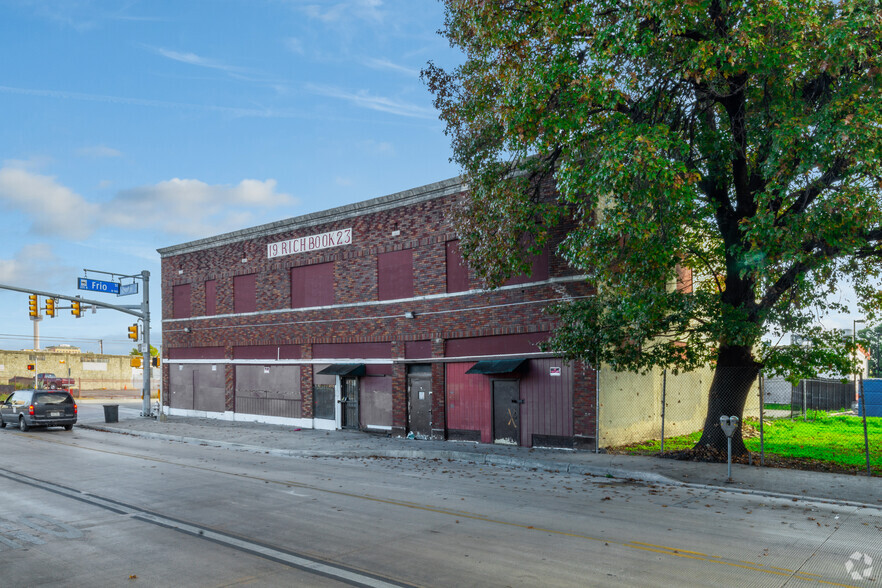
(506, 412)
(349, 403)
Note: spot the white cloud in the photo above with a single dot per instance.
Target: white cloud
(198, 60)
(192, 207)
(369, 10)
(179, 206)
(371, 147)
(294, 45)
(385, 64)
(55, 210)
(98, 152)
(364, 99)
(20, 269)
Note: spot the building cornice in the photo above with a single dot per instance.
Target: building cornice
(356, 209)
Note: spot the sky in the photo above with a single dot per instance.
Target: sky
(133, 125)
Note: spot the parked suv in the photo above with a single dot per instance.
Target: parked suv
(39, 408)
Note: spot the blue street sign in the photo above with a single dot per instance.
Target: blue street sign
(98, 286)
(127, 289)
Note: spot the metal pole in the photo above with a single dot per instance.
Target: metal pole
(762, 394)
(664, 391)
(863, 402)
(145, 310)
(729, 468)
(804, 402)
(596, 407)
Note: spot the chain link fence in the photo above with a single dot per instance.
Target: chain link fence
(825, 424)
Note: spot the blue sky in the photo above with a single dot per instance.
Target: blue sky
(128, 126)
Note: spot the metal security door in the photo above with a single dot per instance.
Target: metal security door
(349, 403)
(506, 412)
(419, 413)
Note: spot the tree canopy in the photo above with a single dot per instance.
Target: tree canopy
(742, 140)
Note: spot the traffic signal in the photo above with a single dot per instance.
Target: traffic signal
(33, 306)
(154, 361)
(50, 307)
(135, 361)
(30, 367)
(133, 332)
(75, 309)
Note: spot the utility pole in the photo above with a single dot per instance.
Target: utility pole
(145, 316)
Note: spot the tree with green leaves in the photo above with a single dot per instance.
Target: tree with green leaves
(740, 139)
(154, 352)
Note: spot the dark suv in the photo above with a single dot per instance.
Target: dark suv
(39, 408)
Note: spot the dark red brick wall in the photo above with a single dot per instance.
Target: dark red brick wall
(424, 228)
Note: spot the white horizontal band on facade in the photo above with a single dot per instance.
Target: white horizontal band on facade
(282, 361)
(532, 355)
(428, 297)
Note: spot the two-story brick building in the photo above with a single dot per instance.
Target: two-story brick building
(366, 316)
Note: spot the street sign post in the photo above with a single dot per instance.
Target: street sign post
(98, 285)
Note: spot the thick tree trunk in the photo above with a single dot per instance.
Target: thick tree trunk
(734, 375)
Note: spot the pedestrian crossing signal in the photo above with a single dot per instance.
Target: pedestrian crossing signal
(30, 367)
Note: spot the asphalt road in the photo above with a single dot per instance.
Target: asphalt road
(87, 508)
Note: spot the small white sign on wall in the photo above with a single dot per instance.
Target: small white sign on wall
(266, 369)
(214, 367)
(2, 368)
(554, 371)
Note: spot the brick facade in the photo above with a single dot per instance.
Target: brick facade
(418, 220)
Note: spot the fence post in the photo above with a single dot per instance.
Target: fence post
(664, 391)
(863, 402)
(762, 395)
(804, 402)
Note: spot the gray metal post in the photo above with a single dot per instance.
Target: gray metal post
(863, 402)
(762, 394)
(145, 310)
(664, 391)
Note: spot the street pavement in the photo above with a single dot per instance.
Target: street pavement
(289, 441)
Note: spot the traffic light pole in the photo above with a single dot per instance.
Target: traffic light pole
(142, 312)
(145, 316)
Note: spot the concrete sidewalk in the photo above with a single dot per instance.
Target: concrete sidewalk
(305, 443)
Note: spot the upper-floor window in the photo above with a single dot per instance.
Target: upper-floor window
(312, 285)
(245, 293)
(457, 270)
(210, 297)
(181, 301)
(539, 271)
(395, 275)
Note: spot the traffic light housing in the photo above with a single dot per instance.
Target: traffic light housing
(135, 361)
(75, 309)
(30, 367)
(50, 307)
(133, 332)
(154, 361)
(33, 305)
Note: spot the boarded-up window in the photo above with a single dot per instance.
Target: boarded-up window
(538, 271)
(245, 293)
(211, 297)
(457, 270)
(181, 301)
(395, 275)
(312, 285)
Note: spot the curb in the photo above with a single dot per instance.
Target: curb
(462, 456)
(479, 458)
